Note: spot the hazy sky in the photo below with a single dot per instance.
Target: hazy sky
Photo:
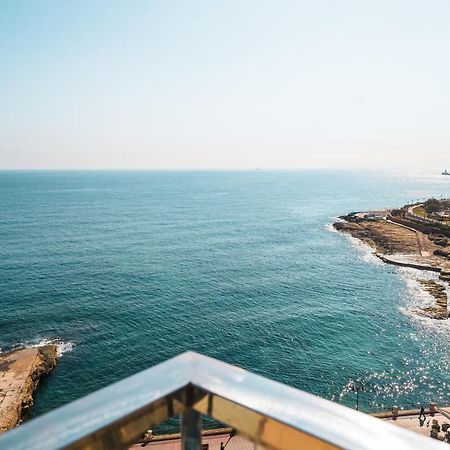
(224, 84)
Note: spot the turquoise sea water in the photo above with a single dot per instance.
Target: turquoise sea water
(131, 268)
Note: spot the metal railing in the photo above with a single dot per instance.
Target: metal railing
(268, 413)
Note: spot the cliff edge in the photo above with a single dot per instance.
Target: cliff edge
(20, 372)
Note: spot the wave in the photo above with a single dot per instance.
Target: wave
(415, 296)
(329, 226)
(62, 346)
(365, 252)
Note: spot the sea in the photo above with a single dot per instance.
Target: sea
(125, 269)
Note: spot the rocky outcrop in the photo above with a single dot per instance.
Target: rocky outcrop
(434, 312)
(443, 253)
(442, 241)
(438, 291)
(385, 237)
(398, 244)
(20, 372)
(445, 276)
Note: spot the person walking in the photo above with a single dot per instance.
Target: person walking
(422, 414)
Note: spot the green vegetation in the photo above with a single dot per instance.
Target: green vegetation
(420, 211)
(432, 205)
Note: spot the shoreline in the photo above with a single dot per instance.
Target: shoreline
(20, 373)
(411, 265)
(405, 245)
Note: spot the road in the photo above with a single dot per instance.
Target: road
(425, 245)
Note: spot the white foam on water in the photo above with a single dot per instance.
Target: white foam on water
(62, 346)
(365, 252)
(65, 347)
(415, 296)
(329, 226)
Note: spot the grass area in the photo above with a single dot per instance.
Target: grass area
(420, 211)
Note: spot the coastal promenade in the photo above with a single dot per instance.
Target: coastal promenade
(211, 440)
(216, 439)
(409, 420)
(190, 386)
(412, 423)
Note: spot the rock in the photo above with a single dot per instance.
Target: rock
(20, 372)
(434, 312)
(438, 291)
(440, 240)
(440, 252)
(445, 276)
(415, 241)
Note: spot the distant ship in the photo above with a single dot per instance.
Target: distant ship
(445, 172)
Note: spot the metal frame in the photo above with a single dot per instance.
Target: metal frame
(268, 413)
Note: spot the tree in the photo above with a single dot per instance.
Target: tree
(432, 205)
(398, 212)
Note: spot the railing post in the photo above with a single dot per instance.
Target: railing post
(191, 430)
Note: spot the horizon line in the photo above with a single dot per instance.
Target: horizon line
(216, 169)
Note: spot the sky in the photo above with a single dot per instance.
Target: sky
(232, 84)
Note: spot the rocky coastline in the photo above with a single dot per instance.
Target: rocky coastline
(20, 373)
(399, 241)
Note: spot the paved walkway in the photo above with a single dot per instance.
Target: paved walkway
(213, 443)
(412, 422)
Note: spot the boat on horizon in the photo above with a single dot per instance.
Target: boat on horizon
(445, 172)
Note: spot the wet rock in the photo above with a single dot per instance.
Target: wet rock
(434, 312)
(438, 291)
(445, 276)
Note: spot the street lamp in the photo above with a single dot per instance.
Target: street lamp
(232, 434)
(357, 387)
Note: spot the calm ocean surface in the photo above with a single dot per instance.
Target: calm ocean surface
(131, 268)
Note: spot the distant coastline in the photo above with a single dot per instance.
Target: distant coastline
(404, 238)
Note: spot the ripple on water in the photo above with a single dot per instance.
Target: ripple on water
(138, 267)
(422, 370)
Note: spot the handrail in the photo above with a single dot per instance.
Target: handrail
(268, 413)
